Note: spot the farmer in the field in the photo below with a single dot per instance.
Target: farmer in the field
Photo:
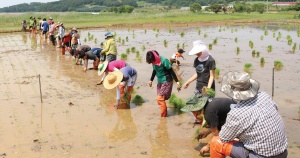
(210, 112)
(83, 52)
(254, 120)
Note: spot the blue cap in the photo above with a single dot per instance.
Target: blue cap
(108, 34)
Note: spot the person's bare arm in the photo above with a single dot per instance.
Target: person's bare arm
(211, 78)
(193, 78)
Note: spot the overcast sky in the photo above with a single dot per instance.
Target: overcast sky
(6, 3)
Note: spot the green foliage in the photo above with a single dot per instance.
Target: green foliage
(143, 48)
(215, 8)
(132, 49)
(251, 44)
(182, 34)
(247, 66)
(278, 65)
(127, 50)
(195, 7)
(138, 100)
(261, 37)
(236, 40)
(176, 102)
(259, 7)
(210, 92)
(210, 46)
(262, 60)
(217, 72)
(215, 41)
(123, 56)
(238, 50)
(165, 43)
(290, 41)
(178, 46)
(270, 48)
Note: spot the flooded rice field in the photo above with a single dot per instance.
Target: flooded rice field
(76, 118)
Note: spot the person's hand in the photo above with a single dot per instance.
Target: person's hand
(178, 86)
(204, 149)
(202, 135)
(150, 83)
(186, 85)
(100, 83)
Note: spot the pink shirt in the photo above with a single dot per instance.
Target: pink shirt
(52, 29)
(115, 64)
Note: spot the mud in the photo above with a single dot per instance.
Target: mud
(77, 118)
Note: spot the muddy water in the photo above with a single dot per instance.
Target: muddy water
(77, 118)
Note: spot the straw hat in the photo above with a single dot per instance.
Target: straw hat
(102, 67)
(113, 79)
(239, 86)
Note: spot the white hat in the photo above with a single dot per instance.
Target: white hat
(199, 46)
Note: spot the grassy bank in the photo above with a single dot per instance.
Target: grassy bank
(12, 21)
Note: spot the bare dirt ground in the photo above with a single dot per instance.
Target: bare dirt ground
(77, 119)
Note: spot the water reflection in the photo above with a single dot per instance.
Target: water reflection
(24, 38)
(160, 142)
(124, 129)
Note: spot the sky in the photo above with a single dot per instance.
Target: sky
(7, 3)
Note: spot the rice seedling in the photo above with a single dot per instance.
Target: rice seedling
(183, 45)
(156, 35)
(115, 34)
(251, 44)
(178, 46)
(236, 30)
(278, 65)
(165, 43)
(232, 30)
(84, 40)
(123, 56)
(294, 47)
(262, 60)
(199, 32)
(176, 102)
(238, 50)
(95, 40)
(217, 72)
(236, 40)
(261, 37)
(132, 49)
(101, 44)
(257, 54)
(288, 37)
(133, 36)
(277, 39)
(127, 50)
(145, 31)
(290, 41)
(126, 38)
(139, 58)
(210, 92)
(253, 53)
(274, 34)
(205, 35)
(89, 34)
(269, 48)
(182, 34)
(157, 30)
(143, 48)
(279, 34)
(138, 100)
(210, 46)
(247, 66)
(137, 53)
(266, 33)
(123, 41)
(119, 39)
(220, 30)
(215, 41)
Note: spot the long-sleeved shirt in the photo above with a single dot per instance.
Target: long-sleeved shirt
(110, 47)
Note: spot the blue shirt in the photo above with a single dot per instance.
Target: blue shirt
(128, 72)
(45, 26)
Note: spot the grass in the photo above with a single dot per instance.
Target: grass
(138, 100)
(12, 22)
(176, 102)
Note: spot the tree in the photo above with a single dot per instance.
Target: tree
(195, 7)
(215, 8)
(259, 7)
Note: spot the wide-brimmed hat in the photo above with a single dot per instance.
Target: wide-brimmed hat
(102, 67)
(239, 86)
(108, 34)
(198, 46)
(113, 79)
(194, 103)
(50, 18)
(74, 29)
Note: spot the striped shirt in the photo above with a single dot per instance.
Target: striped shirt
(257, 124)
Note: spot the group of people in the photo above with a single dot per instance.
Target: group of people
(247, 124)
(244, 125)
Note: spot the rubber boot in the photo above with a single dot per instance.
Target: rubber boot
(129, 91)
(162, 105)
(122, 94)
(218, 149)
(96, 63)
(63, 50)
